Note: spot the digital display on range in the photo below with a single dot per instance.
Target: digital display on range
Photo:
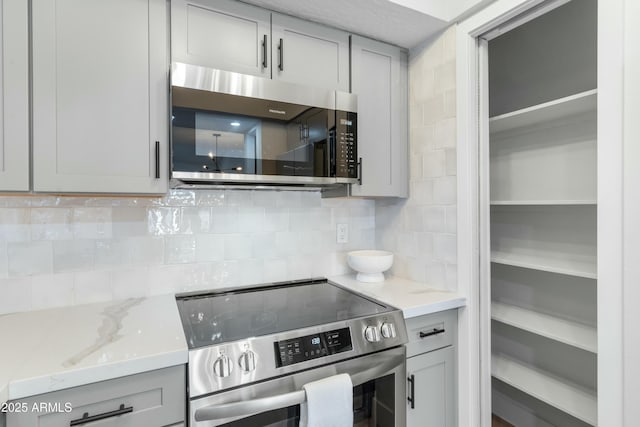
(296, 350)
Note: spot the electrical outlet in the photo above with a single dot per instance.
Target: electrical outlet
(342, 233)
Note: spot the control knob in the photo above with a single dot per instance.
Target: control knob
(388, 330)
(247, 361)
(222, 367)
(371, 334)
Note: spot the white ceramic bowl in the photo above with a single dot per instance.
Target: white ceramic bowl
(370, 264)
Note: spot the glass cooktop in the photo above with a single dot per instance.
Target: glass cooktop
(215, 318)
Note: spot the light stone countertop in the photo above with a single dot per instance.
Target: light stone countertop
(49, 350)
(55, 349)
(413, 298)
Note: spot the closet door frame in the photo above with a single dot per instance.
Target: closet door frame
(473, 244)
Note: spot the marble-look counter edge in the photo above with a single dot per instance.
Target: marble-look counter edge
(413, 298)
(109, 340)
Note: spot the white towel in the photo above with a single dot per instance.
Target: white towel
(329, 403)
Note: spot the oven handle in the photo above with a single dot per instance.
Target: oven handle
(255, 406)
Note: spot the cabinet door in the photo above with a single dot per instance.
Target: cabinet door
(221, 34)
(100, 96)
(434, 389)
(309, 54)
(149, 399)
(14, 96)
(379, 78)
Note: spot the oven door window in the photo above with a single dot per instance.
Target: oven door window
(373, 406)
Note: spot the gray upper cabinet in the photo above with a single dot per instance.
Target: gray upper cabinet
(236, 37)
(14, 96)
(309, 54)
(227, 35)
(100, 96)
(379, 78)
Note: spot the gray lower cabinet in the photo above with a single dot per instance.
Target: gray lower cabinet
(431, 370)
(150, 399)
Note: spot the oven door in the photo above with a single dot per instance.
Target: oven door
(378, 396)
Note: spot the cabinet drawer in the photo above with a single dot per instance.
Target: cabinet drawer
(438, 330)
(155, 398)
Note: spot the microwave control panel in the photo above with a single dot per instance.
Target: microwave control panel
(346, 147)
(301, 349)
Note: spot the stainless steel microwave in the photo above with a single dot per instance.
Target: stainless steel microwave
(237, 129)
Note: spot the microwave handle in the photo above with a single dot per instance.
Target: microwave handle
(255, 406)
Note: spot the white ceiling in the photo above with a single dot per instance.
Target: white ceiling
(383, 20)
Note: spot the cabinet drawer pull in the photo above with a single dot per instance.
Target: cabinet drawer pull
(157, 159)
(89, 419)
(264, 51)
(281, 55)
(412, 390)
(435, 331)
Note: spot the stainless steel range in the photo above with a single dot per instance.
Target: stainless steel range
(252, 349)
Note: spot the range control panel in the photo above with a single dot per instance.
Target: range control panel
(296, 350)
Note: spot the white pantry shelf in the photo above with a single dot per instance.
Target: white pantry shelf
(543, 113)
(552, 327)
(579, 270)
(542, 202)
(572, 399)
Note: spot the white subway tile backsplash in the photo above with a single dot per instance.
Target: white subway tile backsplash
(451, 162)
(52, 224)
(445, 191)
(15, 224)
(55, 290)
(444, 247)
(242, 198)
(16, 295)
(164, 220)
(275, 270)
(92, 223)
(436, 276)
(209, 247)
(433, 110)
(142, 250)
(4, 261)
(180, 249)
(180, 198)
(73, 255)
(445, 76)
(251, 271)
(434, 218)
(433, 164)
(237, 247)
(29, 258)
(129, 221)
(421, 230)
(250, 219)
(445, 133)
(210, 198)
(91, 286)
(452, 219)
(414, 218)
(416, 269)
(130, 283)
